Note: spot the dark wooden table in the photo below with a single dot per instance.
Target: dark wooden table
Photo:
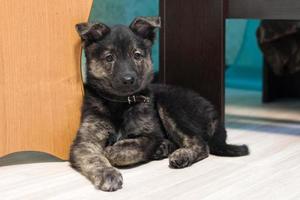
(192, 39)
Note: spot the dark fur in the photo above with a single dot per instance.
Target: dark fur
(176, 123)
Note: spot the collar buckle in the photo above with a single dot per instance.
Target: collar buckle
(131, 99)
(146, 99)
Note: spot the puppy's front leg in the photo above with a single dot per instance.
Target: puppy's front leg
(87, 154)
(131, 151)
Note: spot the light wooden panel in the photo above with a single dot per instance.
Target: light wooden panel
(40, 81)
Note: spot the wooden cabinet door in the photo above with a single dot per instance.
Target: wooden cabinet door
(40, 81)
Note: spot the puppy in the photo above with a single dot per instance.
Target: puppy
(126, 120)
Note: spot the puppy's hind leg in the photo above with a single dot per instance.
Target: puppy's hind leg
(192, 147)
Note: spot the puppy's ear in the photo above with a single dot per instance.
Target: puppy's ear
(92, 31)
(145, 27)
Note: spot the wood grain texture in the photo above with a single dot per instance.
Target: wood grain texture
(264, 9)
(192, 47)
(40, 81)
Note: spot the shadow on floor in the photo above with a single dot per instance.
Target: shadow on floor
(26, 157)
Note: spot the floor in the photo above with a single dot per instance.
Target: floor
(272, 171)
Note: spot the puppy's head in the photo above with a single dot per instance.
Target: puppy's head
(119, 57)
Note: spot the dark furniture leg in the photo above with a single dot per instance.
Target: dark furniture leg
(192, 47)
(275, 87)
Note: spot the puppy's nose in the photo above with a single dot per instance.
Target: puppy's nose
(128, 80)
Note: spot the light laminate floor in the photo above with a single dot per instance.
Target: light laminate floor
(271, 172)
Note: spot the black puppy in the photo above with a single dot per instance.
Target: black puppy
(126, 120)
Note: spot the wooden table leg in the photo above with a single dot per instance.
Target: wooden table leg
(192, 47)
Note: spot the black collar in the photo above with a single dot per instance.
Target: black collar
(132, 99)
(140, 97)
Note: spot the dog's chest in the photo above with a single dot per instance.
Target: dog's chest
(132, 120)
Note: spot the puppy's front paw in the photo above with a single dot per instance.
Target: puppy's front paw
(164, 149)
(109, 180)
(181, 158)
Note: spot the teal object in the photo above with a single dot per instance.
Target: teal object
(243, 56)
(113, 12)
(235, 35)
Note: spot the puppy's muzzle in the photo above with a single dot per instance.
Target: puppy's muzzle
(128, 80)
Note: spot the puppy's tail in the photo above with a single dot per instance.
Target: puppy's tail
(229, 150)
(219, 147)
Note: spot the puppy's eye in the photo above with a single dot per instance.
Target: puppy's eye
(137, 55)
(109, 58)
